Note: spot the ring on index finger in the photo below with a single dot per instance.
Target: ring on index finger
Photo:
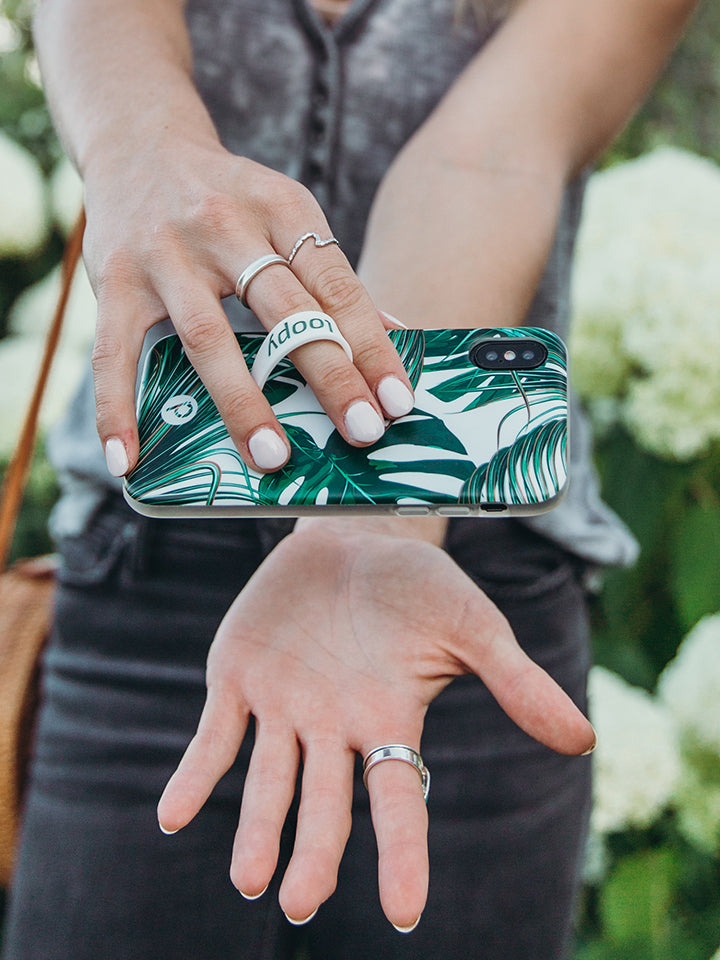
(398, 751)
(252, 270)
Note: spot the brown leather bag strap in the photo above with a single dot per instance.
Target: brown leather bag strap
(18, 468)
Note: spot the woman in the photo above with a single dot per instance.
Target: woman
(443, 151)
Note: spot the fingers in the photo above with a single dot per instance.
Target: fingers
(213, 350)
(209, 756)
(267, 795)
(356, 395)
(323, 827)
(523, 689)
(400, 819)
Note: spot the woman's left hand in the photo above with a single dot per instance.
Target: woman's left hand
(337, 645)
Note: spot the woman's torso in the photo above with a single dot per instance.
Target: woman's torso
(328, 91)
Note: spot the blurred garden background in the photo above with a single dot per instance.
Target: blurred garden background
(645, 356)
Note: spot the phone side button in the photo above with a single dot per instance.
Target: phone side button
(412, 511)
(453, 511)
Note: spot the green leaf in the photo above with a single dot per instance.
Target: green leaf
(525, 471)
(695, 563)
(366, 476)
(635, 900)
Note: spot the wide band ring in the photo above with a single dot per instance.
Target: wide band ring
(252, 270)
(306, 236)
(293, 332)
(398, 751)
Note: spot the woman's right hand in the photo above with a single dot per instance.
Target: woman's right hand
(168, 233)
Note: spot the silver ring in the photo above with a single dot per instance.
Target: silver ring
(252, 270)
(398, 751)
(306, 236)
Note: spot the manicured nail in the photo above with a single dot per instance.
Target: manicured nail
(300, 923)
(363, 423)
(395, 397)
(594, 744)
(168, 833)
(267, 449)
(255, 896)
(393, 319)
(407, 929)
(116, 457)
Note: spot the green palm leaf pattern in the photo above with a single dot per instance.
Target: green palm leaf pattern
(531, 470)
(339, 473)
(430, 456)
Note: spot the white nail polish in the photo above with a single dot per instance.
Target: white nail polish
(168, 833)
(255, 896)
(363, 423)
(407, 929)
(393, 319)
(590, 749)
(395, 397)
(267, 449)
(116, 457)
(300, 923)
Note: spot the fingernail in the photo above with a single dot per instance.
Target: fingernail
(363, 423)
(395, 397)
(267, 449)
(168, 833)
(116, 457)
(255, 896)
(300, 923)
(393, 319)
(594, 744)
(407, 929)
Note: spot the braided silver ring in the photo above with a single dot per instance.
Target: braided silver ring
(398, 751)
(306, 236)
(252, 270)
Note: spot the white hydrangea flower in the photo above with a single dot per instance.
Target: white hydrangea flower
(689, 685)
(23, 208)
(646, 290)
(66, 195)
(31, 313)
(637, 759)
(20, 359)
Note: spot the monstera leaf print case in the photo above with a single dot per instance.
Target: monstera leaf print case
(478, 440)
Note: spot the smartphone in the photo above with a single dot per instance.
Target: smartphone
(488, 435)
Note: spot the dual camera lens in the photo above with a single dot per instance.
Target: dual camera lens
(508, 353)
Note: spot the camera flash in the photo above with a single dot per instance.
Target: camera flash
(509, 355)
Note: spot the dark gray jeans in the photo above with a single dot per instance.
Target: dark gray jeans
(123, 688)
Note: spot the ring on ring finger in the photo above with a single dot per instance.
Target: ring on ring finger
(398, 751)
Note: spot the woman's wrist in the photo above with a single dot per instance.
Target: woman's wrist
(429, 529)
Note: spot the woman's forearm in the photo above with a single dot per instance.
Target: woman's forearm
(556, 83)
(465, 218)
(118, 75)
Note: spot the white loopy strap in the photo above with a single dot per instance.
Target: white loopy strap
(293, 332)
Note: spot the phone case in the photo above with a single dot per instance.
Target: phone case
(477, 440)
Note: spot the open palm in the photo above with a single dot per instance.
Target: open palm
(335, 646)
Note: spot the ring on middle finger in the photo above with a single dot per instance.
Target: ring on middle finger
(252, 270)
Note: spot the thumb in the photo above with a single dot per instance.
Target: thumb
(526, 692)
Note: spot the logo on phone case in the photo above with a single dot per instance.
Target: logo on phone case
(179, 409)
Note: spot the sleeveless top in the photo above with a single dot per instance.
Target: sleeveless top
(331, 105)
